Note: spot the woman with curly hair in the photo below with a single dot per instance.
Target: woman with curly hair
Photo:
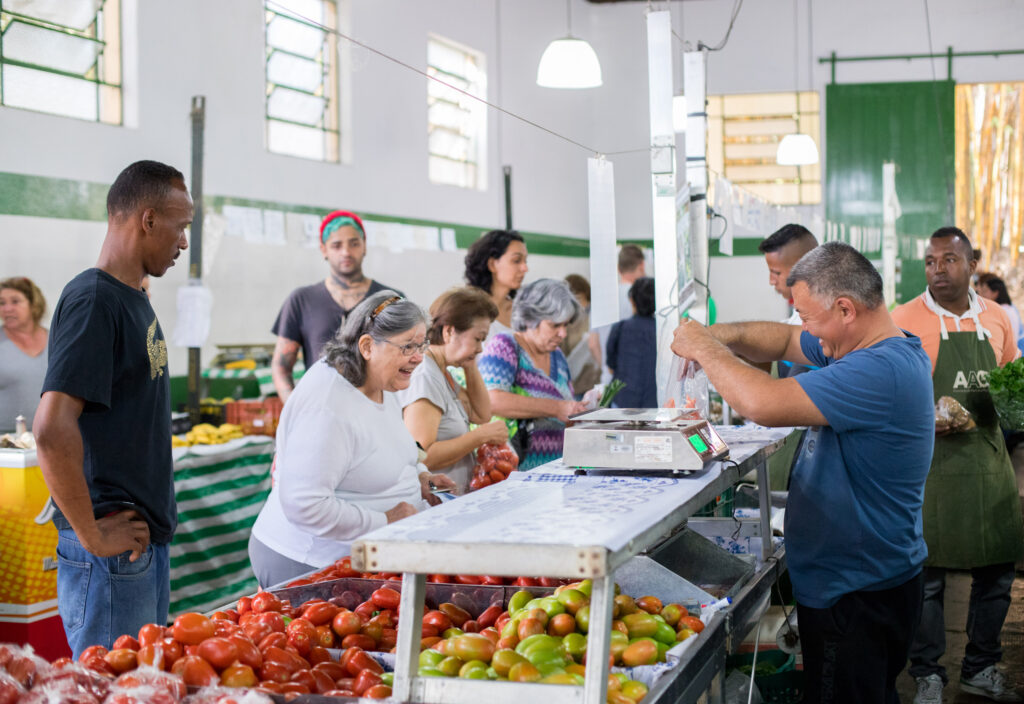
(496, 263)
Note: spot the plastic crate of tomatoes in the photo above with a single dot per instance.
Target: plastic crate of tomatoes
(493, 464)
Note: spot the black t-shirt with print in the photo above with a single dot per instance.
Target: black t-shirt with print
(106, 348)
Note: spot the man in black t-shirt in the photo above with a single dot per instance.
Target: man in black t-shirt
(103, 428)
(312, 314)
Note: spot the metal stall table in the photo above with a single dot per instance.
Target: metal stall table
(552, 522)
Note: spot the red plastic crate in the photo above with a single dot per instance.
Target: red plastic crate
(255, 417)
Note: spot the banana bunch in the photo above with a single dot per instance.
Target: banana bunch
(207, 434)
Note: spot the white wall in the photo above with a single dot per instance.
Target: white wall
(215, 49)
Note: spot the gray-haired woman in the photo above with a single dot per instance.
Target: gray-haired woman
(526, 374)
(345, 463)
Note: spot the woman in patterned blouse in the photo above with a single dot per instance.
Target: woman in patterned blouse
(527, 375)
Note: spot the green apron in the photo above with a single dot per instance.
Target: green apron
(972, 515)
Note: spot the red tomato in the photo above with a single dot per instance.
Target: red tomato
(489, 616)
(386, 598)
(340, 693)
(429, 631)
(219, 652)
(244, 605)
(439, 579)
(365, 680)
(358, 640)
(274, 640)
(468, 579)
(503, 466)
(122, 659)
(437, 619)
(457, 614)
(293, 688)
(305, 678)
(471, 626)
(479, 481)
(322, 683)
(318, 655)
(320, 614)
(299, 582)
(429, 642)
(525, 582)
(366, 609)
(256, 631)
(273, 619)
(273, 671)
(332, 669)
(301, 625)
(192, 629)
(492, 580)
(248, 653)
(195, 671)
(126, 641)
(93, 651)
(496, 476)
(150, 633)
(301, 641)
(265, 601)
(324, 637)
(238, 675)
(347, 622)
(378, 691)
(388, 639)
(550, 582)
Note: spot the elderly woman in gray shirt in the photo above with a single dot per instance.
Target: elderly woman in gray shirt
(438, 410)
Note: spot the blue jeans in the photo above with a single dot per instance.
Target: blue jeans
(101, 598)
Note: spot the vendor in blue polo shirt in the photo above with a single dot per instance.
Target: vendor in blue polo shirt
(854, 539)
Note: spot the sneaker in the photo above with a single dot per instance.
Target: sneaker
(990, 683)
(929, 690)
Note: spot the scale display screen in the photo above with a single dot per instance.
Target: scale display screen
(698, 443)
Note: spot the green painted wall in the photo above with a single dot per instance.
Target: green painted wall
(911, 124)
(40, 196)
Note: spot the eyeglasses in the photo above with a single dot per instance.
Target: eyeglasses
(410, 348)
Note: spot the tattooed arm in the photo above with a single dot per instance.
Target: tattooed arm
(285, 353)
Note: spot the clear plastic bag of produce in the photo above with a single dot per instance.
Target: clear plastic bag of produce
(22, 664)
(493, 464)
(950, 416)
(1006, 384)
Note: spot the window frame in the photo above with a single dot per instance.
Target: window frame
(477, 115)
(107, 69)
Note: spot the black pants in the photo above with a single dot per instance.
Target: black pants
(990, 600)
(854, 650)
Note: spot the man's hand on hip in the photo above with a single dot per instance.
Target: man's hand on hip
(118, 533)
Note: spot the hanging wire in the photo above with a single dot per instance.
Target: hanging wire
(281, 9)
(732, 21)
(950, 196)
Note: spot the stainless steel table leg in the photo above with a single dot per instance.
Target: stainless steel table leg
(602, 595)
(410, 628)
(764, 495)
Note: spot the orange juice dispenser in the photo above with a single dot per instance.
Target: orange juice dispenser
(28, 558)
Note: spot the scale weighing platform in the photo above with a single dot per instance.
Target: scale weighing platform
(641, 441)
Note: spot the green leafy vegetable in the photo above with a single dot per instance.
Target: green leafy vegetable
(1006, 384)
(610, 391)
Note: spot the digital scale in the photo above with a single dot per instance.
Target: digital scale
(641, 440)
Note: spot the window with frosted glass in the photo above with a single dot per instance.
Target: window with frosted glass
(456, 123)
(744, 132)
(302, 82)
(62, 57)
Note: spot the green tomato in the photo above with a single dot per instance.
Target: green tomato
(617, 642)
(540, 657)
(586, 586)
(533, 640)
(662, 649)
(576, 645)
(474, 670)
(659, 618)
(451, 665)
(388, 678)
(511, 628)
(665, 634)
(430, 658)
(492, 674)
(583, 619)
(430, 672)
(452, 632)
(550, 605)
(572, 599)
(518, 601)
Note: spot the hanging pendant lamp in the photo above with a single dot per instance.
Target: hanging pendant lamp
(569, 62)
(798, 149)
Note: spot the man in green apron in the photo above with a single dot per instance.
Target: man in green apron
(972, 516)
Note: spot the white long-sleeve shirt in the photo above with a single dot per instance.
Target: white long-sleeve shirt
(342, 461)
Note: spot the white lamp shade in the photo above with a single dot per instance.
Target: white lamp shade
(569, 63)
(797, 150)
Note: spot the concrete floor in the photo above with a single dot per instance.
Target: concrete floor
(958, 589)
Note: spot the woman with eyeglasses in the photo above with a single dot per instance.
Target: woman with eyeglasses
(345, 464)
(436, 408)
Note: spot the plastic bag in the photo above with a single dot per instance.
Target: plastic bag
(695, 389)
(227, 695)
(153, 678)
(493, 464)
(950, 416)
(22, 664)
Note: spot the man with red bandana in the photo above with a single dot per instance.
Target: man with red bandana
(312, 314)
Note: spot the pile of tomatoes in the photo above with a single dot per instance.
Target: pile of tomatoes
(493, 464)
(342, 569)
